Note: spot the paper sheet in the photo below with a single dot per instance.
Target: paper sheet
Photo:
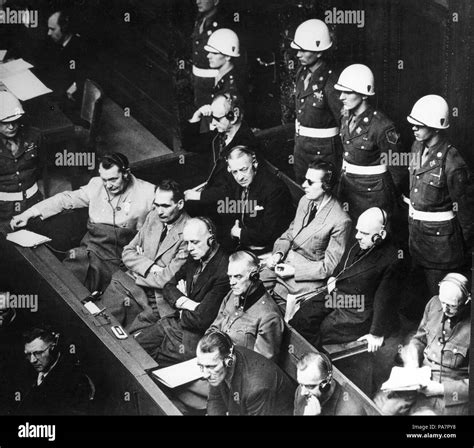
(25, 85)
(13, 67)
(407, 378)
(179, 374)
(26, 238)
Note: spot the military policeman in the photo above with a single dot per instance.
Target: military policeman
(371, 175)
(223, 47)
(209, 20)
(441, 203)
(19, 151)
(317, 103)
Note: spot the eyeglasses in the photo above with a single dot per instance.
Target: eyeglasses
(311, 182)
(218, 118)
(38, 354)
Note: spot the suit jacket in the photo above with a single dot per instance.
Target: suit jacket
(211, 287)
(65, 390)
(315, 250)
(208, 143)
(376, 279)
(170, 255)
(268, 214)
(339, 403)
(257, 387)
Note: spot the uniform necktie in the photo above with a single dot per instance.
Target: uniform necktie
(307, 79)
(164, 232)
(424, 156)
(352, 123)
(312, 214)
(201, 27)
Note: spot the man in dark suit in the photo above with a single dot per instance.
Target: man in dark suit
(195, 292)
(257, 207)
(361, 300)
(60, 387)
(242, 382)
(229, 130)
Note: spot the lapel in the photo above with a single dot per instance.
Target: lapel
(435, 159)
(362, 127)
(315, 225)
(172, 236)
(368, 263)
(204, 275)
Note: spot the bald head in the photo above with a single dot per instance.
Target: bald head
(370, 223)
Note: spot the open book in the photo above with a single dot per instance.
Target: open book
(179, 374)
(26, 238)
(407, 378)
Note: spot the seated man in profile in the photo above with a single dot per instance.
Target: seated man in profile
(118, 204)
(229, 130)
(248, 314)
(257, 205)
(241, 381)
(155, 254)
(360, 301)
(307, 254)
(442, 343)
(60, 388)
(195, 294)
(318, 393)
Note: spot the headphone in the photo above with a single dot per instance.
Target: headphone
(246, 150)
(120, 160)
(227, 342)
(325, 385)
(254, 275)
(234, 103)
(461, 284)
(64, 22)
(211, 229)
(377, 238)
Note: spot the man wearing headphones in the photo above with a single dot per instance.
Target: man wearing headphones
(248, 313)
(257, 206)
(307, 254)
(118, 204)
(62, 65)
(195, 293)
(241, 381)
(60, 387)
(230, 130)
(318, 393)
(361, 299)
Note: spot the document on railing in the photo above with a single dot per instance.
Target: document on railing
(25, 85)
(25, 238)
(179, 374)
(407, 378)
(10, 68)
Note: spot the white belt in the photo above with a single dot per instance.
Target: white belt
(363, 170)
(204, 72)
(18, 196)
(315, 132)
(427, 216)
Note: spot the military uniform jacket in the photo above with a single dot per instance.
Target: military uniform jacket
(318, 106)
(231, 82)
(20, 171)
(257, 387)
(442, 183)
(255, 323)
(454, 363)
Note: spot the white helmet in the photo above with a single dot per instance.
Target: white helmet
(10, 107)
(312, 35)
(223, 41)
(356, 78)
(431, 111)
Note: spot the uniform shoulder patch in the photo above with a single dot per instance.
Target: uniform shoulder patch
(392, 136)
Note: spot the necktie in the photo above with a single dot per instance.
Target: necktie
(196, 274)
(312, 214)
(352, 123)
(164, 232)
(219, 146)
(201, 27)
(307, 79)
(40, 378)
(424, 156)
(244, 198)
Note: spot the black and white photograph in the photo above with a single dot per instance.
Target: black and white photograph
(236, 208)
